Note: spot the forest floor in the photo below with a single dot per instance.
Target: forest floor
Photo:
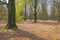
(42, 30)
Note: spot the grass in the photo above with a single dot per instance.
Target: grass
(3, 28)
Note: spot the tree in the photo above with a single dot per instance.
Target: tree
(11, 14)
(44, 9)
(1, 12)
(20, 5)
(35, 12)
(57, 5)
(58, 10)
(31, 12)
(25, 10)
(27, 3)
(53, 11)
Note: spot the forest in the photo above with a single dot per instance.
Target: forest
(29, 19)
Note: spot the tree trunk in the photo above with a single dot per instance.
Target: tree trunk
(11, 15)
(35, 13)
(58, 13)
(25, 13)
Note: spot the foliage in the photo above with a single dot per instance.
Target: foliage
(19, 8)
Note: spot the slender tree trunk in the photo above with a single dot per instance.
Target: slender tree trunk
(44, 10)
(25, 13)
(58, 13)
(11, 15)
(35, 13)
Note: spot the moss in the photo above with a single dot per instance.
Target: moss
(3, 28)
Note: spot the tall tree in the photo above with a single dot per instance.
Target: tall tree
(57, 5)
(1, 9)
(25, 10)
(53, 11)
(44, 9)
(35, 12)
(11, 15)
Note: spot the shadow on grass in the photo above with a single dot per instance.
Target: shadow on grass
(20, 34)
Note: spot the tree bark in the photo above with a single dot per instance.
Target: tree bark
(35, 13)
(11, 15)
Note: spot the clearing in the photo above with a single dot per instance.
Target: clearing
(42, 30)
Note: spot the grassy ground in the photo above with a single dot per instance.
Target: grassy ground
(42, 30)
